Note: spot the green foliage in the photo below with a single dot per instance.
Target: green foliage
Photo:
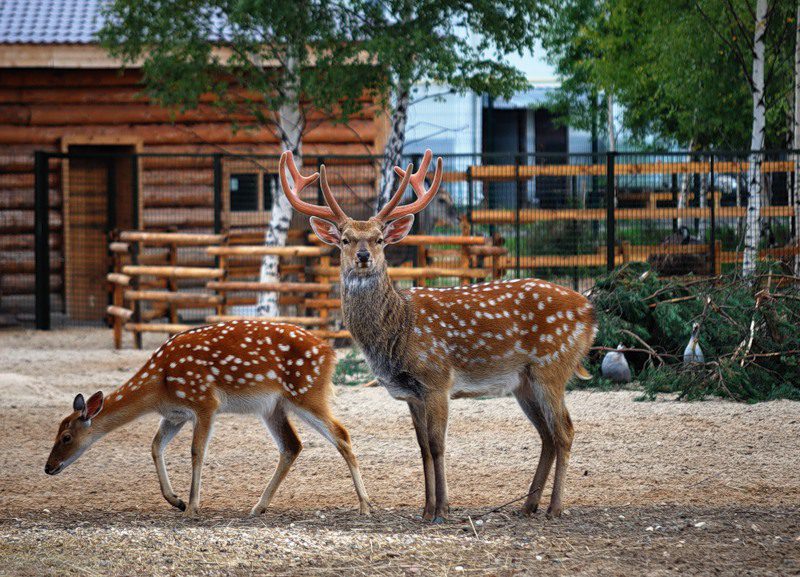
(632, 300)
(679, 69)
(351, 369)
(253, 56)
(464, 46)
(256, 56)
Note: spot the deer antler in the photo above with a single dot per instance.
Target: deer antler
(417, 180)
(332, 212)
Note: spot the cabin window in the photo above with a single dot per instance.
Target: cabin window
(244, 192)
(247, 195)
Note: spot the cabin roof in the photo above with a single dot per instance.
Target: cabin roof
(50, 21)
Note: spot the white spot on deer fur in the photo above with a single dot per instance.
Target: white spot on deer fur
(180, 394)
(271, 375)
(283, 347)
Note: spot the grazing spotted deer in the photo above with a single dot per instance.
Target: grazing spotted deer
(427, 345)
(249, 366)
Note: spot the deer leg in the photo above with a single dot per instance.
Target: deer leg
(436, 412)
(166, 432)
(203, 425)
(320, 419)
(563, 436)
(417, 410)
(289, 446)
(528, 404)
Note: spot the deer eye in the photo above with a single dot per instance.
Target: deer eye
(66, 439)
(379, 241)
(345, 241)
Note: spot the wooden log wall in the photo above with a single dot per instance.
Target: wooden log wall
(40, 108)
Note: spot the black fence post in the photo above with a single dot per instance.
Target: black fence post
(517, 227)
(470, 197)
(42, 238)
(217, 193)
(135, 191)
(610, 215)
(713, 234)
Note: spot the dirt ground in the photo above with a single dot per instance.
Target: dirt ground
(658, 488)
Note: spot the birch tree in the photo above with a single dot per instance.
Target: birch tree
(461, 46)
(271, 61)
(752, 234)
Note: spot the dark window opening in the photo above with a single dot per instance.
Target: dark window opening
(244, 192)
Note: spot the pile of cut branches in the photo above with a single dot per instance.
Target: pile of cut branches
(749, 332)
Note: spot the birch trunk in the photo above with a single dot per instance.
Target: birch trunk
(752, 231)
(797, 141)
(290, 126)
(702, 224)
(393, 152)
(683, 192)
(612, 137)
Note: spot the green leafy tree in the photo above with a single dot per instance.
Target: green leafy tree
(271, 61)
(420, 43)
(693, 73)
(681, 71)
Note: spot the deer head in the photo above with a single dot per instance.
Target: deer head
(361, 242)
(75, 433)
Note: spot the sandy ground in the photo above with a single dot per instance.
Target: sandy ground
(660, 488)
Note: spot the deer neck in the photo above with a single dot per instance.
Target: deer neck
(376, 314)
(122, 406)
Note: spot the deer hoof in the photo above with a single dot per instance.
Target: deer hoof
(553, 512)
(439, 519)
(530, 510)
(257, 511)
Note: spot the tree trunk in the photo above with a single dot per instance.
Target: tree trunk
(290, 125)
(703, 203)
(683, 192)
(612, 137)
(797, 141)
(752, 232)
(393, 153)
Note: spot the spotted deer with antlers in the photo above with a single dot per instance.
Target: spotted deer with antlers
(526, 337)
(250, 366)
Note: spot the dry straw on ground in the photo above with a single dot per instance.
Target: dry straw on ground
(660, 488)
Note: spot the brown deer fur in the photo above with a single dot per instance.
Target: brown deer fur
(525, 337)
(250, 366)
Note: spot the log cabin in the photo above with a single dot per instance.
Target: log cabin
(60, 92)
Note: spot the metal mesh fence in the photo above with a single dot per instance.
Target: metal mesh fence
(555, 215)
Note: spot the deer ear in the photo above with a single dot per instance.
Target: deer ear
(93, 406)
(397, 230)
(326, 230)
(78, 404)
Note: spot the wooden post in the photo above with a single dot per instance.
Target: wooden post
(172, 284)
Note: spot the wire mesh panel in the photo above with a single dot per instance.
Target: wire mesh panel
(664, 212)
(758, 216)
(553, 216)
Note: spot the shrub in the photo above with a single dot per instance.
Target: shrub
(748, 331)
